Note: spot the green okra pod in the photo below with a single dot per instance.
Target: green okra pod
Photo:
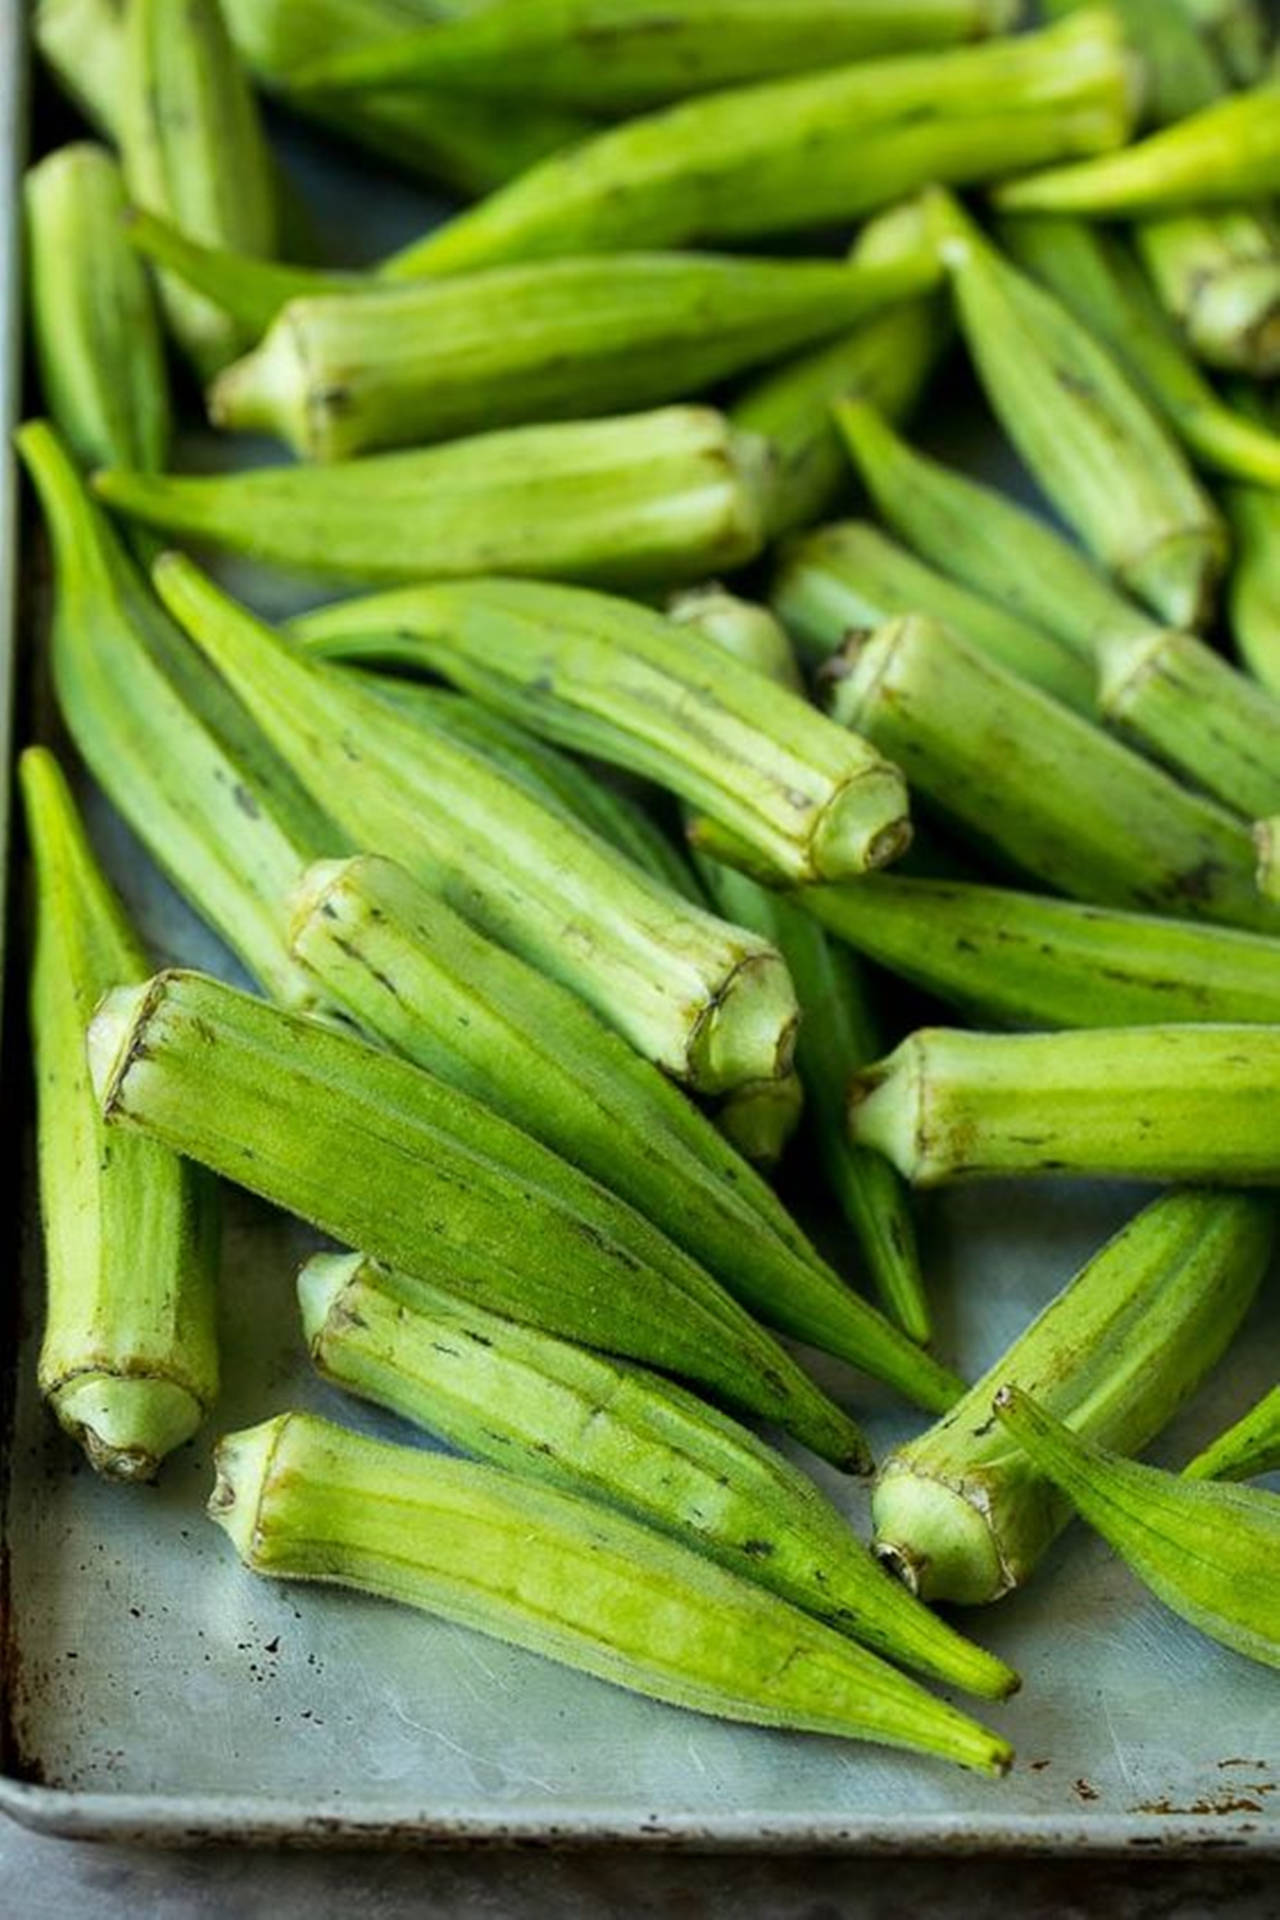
(470, 144)
(1097, 278)
(616, 681)
(1217, 272)
(803, 153)
(645, 500)
(341, 374)
(747, 631)
(619, 57)
(710, 1003)
(1209, 1552)
(1253, 591)
(194, 150)
(1251, 1447)
(519, 1398)
(888, 358)
(97, 335)
(82, 44)
(1228, 151)
(1101, 456)
(129, 1357)
(842, 579)
(1035, 783)
(1026, 960)
(1194, 1103)
(415, 975)
(759, 1119)
(176, 753)
(1237, 30)
(248, 290)
(441, 1186)
(1181, 70)
(961, 1513)
(564, 1577)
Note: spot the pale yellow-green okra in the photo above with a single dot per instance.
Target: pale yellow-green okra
(1250, 1447)
(128, 1357)
(962, 1513)
(564, 1577)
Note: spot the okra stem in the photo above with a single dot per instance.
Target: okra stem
(563, 1577)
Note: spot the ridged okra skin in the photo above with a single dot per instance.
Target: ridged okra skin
(642, 501)
(1253, 594)
(1028, 960)
(618, 682)
(616, 57)
(561, 1576)
(129, 1356)
(742, 628)
(1034, 782)
(1250, 1447)
(1096, 276)
(803, 153)
(612, 1432)
(888, 358)
(177, 755)
(470, 144)
(93, 317)
(341, 374)
(1209, 1552)
(962, 1513)
(441, 1186)
(1196, 1103)
(415, 975)
(194, 150)
(711, 1004)
(1228, 151)
(838, 1035)
(850, 577)
(1108, 465)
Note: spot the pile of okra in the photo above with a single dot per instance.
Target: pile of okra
(672, 704)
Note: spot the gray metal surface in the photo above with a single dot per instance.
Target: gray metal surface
(155, 1690)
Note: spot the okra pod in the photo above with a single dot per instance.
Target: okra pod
(1101, 456)
(1182, 72)
(1025, 960)
(1034, 782)
(618, 57)
(803, 153)
(887, 358)
(415, 975)
(759, 1119)
(645, 500)
(178, 756)
(1251, 1447)
(616, 681)
(564, 1577)
(82, 44)
(1228, 151)
(710, 1003)
(1237, 30)
(248, 290)
(1253, 591)
(1208, 1551)
(441, 1186)
(611, 1432)
(962, 1513)
(747, 631)
(1218, 273)
(97, 335)
(992, 545)
(194, 151)
(1095, 276)
(842, 579)
(470, 144)
(838, 1034)
(1194, 1103)
(129, 1357)
(341, 374)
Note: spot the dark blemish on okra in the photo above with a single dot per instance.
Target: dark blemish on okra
(758, 1549)
(245, 801)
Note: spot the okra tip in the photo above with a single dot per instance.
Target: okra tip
(126, 1423)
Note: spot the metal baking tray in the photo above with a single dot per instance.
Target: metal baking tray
(154, 1691)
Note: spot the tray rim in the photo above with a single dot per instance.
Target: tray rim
(191, 1820)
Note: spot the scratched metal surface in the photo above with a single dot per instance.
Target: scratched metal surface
(155, 1691)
